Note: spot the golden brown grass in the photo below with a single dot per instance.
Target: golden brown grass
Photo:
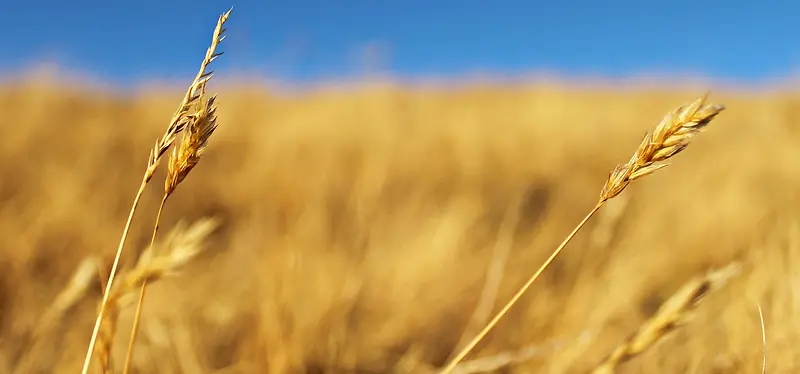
(357, 229)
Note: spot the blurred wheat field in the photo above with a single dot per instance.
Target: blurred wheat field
(359, 227)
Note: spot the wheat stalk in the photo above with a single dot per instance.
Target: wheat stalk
(180, 119)
(674, 313)
(671, 136)
(763, 340)
(199, 127)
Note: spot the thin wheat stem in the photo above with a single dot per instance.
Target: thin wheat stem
(464, 352)
(111, 276)
(137, 317)
(763, 340)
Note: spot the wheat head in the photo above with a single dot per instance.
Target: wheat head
(182, 244)
(182, 116)
(674, 313)
(187, 153)
(669, 138)
(197, 119)
(180, 119)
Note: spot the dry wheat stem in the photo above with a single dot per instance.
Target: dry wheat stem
(763, 340)
(109, 283)
(463, 353)
(138, 314)
(671, 136)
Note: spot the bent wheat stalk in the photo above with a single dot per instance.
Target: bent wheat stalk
(199, 128)
(671, 136)
(180, 119)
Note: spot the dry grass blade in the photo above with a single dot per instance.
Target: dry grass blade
(674, 313)
(180, 119)
(667, 139)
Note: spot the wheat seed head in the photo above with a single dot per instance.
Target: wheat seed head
(187, 154)
(674, 313)
(667, 139)
(181, 246)
(194, 95)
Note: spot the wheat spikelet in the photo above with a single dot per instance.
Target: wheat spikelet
(671, 136)
(187, 153)
(674, 313)
(182, 244)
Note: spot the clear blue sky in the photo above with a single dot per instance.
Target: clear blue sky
(124, 41)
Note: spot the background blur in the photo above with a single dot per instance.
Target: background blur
(378, 166)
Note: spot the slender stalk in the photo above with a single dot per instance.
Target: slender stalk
(137, 317)
(111, 276)
(466, 350)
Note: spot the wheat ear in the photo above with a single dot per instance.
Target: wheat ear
(179, 120)
(179, 248)
(668, 138)
(674, 313)
(200, 126)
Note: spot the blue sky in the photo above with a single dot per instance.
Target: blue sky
(125, 41)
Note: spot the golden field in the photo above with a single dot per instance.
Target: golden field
(359, 228)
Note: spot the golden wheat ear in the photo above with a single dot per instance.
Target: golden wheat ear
(182, 244)
(666, 140)
(671, 136)
(185, 116)
(198, 120)
(674, 313)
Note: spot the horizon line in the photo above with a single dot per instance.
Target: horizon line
(661, 80)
